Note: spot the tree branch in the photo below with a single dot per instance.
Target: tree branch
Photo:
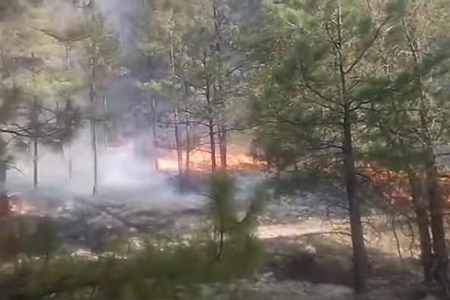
(368, 46)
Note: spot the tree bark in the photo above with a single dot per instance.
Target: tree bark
(4, 203)
(175, 112)
(188, 145)
(223, 147)
(432, 192)
(357, 233)
(95, 156)
(360, 261)
(219, 96)
(423, 225)
(178, 142)
(35, 161)
(440, 264)
(36, 129)
(104, 123)
(154, 136)
(92, 96)
(212, 142)
(67, 67)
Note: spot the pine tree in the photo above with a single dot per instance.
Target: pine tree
(27, 68)
(411, 120)
(321, 55)
(101, 48)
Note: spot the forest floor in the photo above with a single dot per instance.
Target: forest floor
(307, 247)
(308, 253)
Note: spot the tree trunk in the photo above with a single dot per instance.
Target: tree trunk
(440, 255)
(178, 142)
(92, 95)
(70, 167)
(95, 156)
(360, 261)
(35, 143)
(105, 124)
(67, 58)
(67, 67)
(154, 157)
(188, 145)
(175, 112)
(36, 132)
(212, 142)
(223, 147)
(423, 225)
(440, 267)
(4, 203)
(219, 95)
(35, 162)
(357, 233)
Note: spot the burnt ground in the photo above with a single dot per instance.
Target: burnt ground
(307, 250)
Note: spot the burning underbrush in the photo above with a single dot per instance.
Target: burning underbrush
(199, 160)
(396, 186)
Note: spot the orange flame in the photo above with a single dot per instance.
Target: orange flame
(21, 206)
(396, 186)
(200, 160)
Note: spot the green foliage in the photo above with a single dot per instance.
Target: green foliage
(44, 240)
(223, 207)
(299, 107)
(230, 231)
(164, 270)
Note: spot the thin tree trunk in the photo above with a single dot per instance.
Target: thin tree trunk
(67, 57)
(221, 244)
(357, 234)
(175, 112)
(178, 142)
(423, 225)
(35, 120)
(212, 140)
(67, 67)
(154, 136)
(187, 127)
(35, 162)
(219, 91)
(105, 127)
(4, 203)
(95, 156)
(440, 267)
(360, 261)
(397, 240)
(188, 145)
(70, 167)
(223, 147)
(92, 95)
(35, 144)
(154, 157)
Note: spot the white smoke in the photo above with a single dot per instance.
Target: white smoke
(122, 14)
